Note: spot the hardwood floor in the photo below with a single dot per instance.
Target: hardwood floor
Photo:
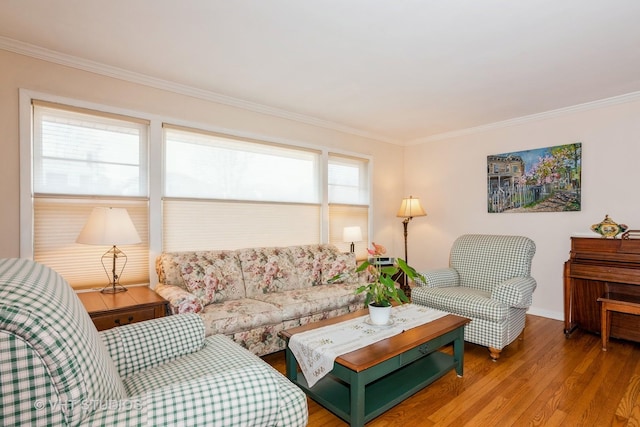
(544, 379)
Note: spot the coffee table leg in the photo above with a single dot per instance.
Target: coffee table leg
(458, 352)
(356, 389)
(291, 365)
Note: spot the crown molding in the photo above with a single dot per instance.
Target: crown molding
(614, 100)
(48, 55)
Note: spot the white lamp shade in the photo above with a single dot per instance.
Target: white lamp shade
(352, 234)
(109, 226)
(410, 207)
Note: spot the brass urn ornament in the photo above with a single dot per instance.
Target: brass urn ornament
(609, 228)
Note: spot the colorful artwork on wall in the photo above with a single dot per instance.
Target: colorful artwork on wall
(539, 180)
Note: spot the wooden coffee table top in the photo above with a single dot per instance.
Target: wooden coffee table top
(371, 355)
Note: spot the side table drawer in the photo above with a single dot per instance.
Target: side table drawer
(109, 321)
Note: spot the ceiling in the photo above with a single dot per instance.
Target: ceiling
(395, 70)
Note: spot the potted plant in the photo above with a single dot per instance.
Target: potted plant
(382, 288)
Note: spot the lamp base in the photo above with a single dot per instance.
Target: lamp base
(113, 289)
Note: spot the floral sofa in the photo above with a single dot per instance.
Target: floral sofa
(252, 294)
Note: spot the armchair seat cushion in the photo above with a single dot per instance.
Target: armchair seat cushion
(467, 302)
(219, 354)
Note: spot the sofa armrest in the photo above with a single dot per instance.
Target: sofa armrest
(139, 346)
(440, 278)
(515, 292)
(180, 300)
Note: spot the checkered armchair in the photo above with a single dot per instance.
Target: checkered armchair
(489, 281)
(56, 369)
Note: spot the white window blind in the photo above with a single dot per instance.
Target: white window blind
(57, 223)
(211, 166)
(82, 159)
(348, 179)
(210, 225)
(222, 192)
(341, 216)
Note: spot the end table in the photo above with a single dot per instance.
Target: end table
(135, 305)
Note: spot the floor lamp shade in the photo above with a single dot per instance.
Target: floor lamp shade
(410, 207)
(110, 227)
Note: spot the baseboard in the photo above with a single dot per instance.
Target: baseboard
(557, 315)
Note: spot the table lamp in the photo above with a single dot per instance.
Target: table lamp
(108, 226)
(352, 234)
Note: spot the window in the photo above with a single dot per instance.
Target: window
(205, 191)
(81, 159)
(223, 192)
(83, 153)
(211, 166)
(348, 179)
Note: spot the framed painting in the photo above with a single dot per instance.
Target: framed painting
(539, 180)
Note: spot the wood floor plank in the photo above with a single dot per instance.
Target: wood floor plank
(544, 379)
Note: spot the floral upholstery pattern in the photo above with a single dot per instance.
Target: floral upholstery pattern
(334, 263)
(252, 294)
(233, 316)
(213, 276)
(268, 270)
(181, 301)
(316, 299)
(307, 261)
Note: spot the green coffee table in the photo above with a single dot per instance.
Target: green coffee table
(367, 382)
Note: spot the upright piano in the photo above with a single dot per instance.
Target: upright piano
(595, 266)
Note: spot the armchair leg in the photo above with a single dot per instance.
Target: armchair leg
(494, 353)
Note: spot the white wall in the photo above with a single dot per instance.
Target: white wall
(450, 176)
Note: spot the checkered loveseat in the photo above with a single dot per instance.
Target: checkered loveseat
(252, 294)
(56, 369)
(489, 281)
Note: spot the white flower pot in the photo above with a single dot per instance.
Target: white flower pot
(379, 315)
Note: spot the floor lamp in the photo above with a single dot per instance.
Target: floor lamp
(409, 208)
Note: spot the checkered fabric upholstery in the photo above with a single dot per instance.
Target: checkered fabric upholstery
(52, 357)
(57, 370)
(147, 344)
(489, 281)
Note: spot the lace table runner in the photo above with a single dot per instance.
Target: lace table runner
(316, 350)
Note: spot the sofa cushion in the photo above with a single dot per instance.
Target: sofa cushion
(213, 276)
(334, 262)
(229, 317)
(267, 270)
(316, 299)
(307, 260)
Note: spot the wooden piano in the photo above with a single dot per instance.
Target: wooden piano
(596, 266)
